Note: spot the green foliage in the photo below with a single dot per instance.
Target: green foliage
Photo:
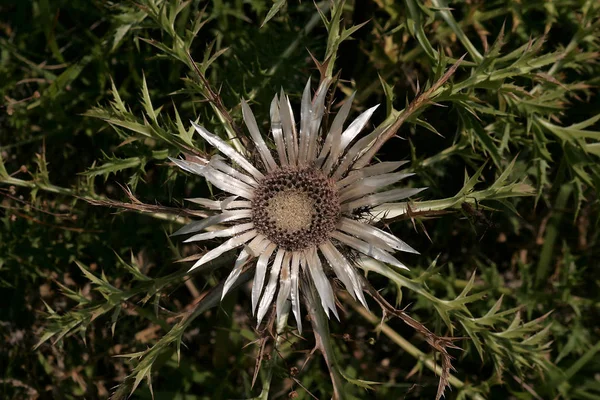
(99, 94)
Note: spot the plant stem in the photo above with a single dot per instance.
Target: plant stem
(50, 188)
(552, 231)
(320, 325)
(310, 25)
(570, 47)
(404, 344)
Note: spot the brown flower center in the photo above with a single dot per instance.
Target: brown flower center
(296, 208)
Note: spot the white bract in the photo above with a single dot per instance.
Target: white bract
(299, 208)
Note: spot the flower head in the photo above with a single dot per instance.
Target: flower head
(298, 209)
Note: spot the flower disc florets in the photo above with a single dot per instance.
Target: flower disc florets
(296, 208)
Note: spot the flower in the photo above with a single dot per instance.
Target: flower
(298, 211)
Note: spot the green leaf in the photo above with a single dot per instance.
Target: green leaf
(473, 127)
(443, 10)
(61, 83)
(185, 135)
(3, 173)
(277, 5)
(147, 102)
(114, 165)
(570, 133)
(415, 27)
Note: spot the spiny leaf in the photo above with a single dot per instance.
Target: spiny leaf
(277, 5)
(114, 165)
(147, 102)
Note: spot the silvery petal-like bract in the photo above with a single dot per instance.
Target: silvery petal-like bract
(299, 210)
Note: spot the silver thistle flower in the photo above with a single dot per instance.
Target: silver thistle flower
(297, 214)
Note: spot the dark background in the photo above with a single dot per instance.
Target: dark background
(539, 253)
